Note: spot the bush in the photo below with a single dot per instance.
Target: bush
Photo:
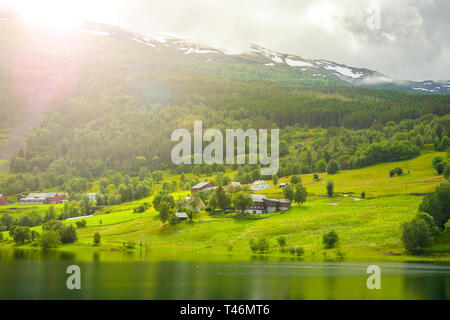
(50, 239)
(260, 246)
(330, 188)
(416, 236)
(282, 241)
(437, 204)
(321, 166)
(129, 245)
(81, 224)
(299, 251)
(397, 171)
(447, 172)
(316, 177)
(333, 167)
(363, 195)
(139, 209)
(330, 239)
(436, 161)
(440, 167)
(20, 234)
(295, 179)
(97, 239)
(68, 234)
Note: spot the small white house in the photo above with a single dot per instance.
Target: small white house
(181, 216)
(260, 185)
(284, 185)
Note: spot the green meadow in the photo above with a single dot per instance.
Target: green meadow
(368, 229)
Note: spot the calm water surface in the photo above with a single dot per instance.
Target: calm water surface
(104, 275)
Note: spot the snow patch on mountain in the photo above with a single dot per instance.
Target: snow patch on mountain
(345, 71)
(298, 63)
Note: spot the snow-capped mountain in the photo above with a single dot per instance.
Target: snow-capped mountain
(314, 68)
(261, 62)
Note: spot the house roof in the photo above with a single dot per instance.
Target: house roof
(258, 197)
(33, 199)
(41, 195)
(201, 203)
(260, 182)
(201, 185)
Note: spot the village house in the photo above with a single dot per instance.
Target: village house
(3, 200)
(260, 185)
(201, 205)
(41, 198)
(234, 186)
(284, 185)
(262, 205)
(92, 197)
(181, 216)
(202, 186)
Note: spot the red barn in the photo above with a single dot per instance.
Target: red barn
(41, 198)
(202, 186)
(3, 201)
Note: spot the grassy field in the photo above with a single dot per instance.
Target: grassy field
(368, 229)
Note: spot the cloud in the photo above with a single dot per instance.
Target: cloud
(412, 41)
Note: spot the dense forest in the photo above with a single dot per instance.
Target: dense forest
(111, 106)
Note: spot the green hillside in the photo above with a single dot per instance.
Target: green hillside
(369, 229)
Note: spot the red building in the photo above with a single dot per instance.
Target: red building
(202, 186)
(41, 198)
(3, 201)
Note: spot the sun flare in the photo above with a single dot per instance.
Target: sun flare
(60, 14)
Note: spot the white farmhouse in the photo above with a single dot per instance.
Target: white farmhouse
(260, 185)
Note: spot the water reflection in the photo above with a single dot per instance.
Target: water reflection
(35, 274)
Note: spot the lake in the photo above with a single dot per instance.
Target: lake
(28, 274)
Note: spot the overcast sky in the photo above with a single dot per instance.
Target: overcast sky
(409, 39)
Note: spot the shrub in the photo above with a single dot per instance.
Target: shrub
(260, 246)
(330, 239)
(333, 167)
(299, 251)
(21, 234)
(440, 167)
(281, 241)
(321, 166)
(363, 195)
(447, 172)
(129, 245)
(436, 161)
(295, 179)
(68, 234)
(437, 204)
(97, 239)
(50, 239)
(81, 224)
(416, 236)
(139, 209)
(330, 188)
(397, 171)
(316, 177)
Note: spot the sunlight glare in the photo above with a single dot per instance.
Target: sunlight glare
(60, 14)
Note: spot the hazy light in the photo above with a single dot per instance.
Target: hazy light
(62, 14)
